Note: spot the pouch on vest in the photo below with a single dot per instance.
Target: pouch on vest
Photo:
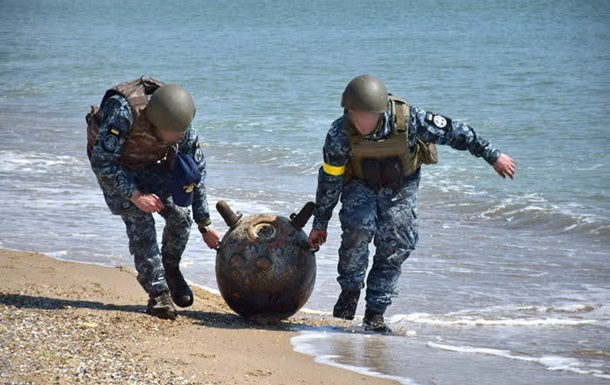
(392, 173)
(371, 172)
(426, 152)
(387, 172)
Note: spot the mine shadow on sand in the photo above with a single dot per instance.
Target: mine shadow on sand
(203, 318)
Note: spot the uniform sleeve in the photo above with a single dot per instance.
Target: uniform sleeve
(190, 145)
(439, 129)
(331, 175)
(116, 125)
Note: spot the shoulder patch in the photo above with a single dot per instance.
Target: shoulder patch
(110, 142)
(438, 121)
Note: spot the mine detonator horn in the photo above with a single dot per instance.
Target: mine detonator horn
(300, 220)
(231, 218)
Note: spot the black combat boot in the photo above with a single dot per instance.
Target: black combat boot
(374, 321)
(345, 307)
(161, 306)
(181, 292)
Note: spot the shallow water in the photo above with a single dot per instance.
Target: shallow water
(510, 281)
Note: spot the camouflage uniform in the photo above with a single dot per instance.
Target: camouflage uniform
(119, 184)
(385, 215)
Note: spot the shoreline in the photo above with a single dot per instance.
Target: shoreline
(68, 322)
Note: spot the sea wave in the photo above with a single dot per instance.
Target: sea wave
(565, 314)
(524, 211)
(532, 210)
(36, 163)
(554, 363)
(478, 320)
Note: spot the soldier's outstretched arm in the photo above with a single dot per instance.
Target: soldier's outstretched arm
(439, 129)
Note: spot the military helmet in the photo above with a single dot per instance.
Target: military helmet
(171, 108)
(365, 93)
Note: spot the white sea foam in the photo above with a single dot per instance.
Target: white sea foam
(478, 320)
(554, 363)
(314, 311)
(109, 260)
(60, 254)
(243, 204)
(567, 307)
(593, 167)
(11, 161)
(308, 343)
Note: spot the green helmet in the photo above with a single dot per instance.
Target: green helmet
(171, 108)
(365, 93)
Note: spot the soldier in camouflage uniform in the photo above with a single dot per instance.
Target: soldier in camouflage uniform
(147, 159)
(372, 159)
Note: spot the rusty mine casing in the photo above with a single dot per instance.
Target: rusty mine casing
(264, 267)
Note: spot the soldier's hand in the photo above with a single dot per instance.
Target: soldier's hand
(505, 165)
(149, 203)
(316, 238)
(212, 238)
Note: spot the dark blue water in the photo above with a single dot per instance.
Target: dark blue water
(510, 282)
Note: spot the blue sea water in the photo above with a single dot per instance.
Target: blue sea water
(510, 282)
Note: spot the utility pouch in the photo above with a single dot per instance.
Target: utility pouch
(371, 172)
(426, 152)
(392, 173)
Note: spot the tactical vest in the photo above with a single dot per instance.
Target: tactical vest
(385, 163)
(141, 147)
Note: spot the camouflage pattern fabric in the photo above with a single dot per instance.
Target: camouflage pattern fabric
(118, 184)
(389, 219)
(385, 216)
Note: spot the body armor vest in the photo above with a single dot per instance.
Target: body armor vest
(141, 147)
(385, 163)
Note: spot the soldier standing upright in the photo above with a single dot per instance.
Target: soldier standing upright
(147, 159)
(372, 159)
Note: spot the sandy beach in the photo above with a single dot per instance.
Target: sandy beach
(72, 323)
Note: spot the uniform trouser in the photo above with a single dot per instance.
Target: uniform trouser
(145, 250)
(389, 218)
(142, 234)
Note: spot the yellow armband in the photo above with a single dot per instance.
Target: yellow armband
(333, 170)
